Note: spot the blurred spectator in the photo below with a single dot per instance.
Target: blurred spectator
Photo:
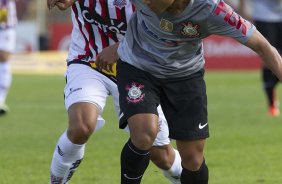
(33, 12)
(267, 16)
(22, 8)
(8, 20)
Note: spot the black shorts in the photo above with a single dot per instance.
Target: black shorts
(183, 100)
(272, 32)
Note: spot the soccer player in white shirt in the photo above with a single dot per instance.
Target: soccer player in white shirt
(8, 20)
(97, 28)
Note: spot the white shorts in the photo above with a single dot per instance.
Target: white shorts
(84, 84)
(7, 40)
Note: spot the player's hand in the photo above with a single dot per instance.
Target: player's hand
(107, 58)
(61, 4)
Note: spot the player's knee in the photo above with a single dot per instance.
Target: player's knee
(80, 132)
(143, 139)
(192, 153)
(193, 161)
(143, 142)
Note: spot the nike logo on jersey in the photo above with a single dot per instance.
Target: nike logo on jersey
(143, 13)
(202, 126)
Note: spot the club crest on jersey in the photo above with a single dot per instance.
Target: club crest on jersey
(119, 3)
(166, 25)
(190, 30)
(134, 94)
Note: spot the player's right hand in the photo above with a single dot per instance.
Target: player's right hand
(106, 59)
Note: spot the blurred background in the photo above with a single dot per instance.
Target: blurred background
(35, 18)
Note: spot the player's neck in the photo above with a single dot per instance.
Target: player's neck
(178, 6)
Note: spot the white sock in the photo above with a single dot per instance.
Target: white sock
(5, 80)
(66, 158)
(174, 173)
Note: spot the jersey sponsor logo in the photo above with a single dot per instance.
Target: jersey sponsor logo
(135, 93)
(120, 3)
(231, 17)
(202, 126)
(112, 25)
(190, 30)
(167, 42)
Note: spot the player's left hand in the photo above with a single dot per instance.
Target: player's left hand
(107, 58)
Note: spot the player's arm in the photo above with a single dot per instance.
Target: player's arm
(267, 52)
(107, 58)
(61, 4)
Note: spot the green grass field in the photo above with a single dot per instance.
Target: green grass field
(245, 146)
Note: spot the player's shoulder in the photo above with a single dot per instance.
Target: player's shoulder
(207, 5)
(202, 9)
(205, 2)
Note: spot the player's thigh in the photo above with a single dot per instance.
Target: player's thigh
(83, 117)
(190, 147)
(138, 94)
(143, 129)
(85, 86)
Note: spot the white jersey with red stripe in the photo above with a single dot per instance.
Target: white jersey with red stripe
(96, 25)
(8, 15)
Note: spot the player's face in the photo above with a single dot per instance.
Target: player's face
(158, 6)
